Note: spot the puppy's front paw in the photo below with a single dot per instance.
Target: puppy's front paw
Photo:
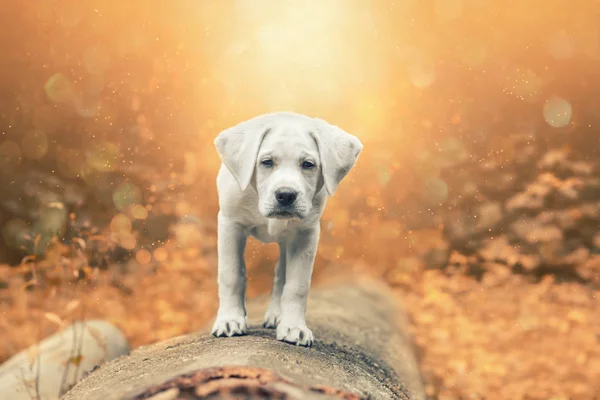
(299, 335)
(271, 318)
(227, 327)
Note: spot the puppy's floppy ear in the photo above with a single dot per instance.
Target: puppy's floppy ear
(338, 151)
(238, 148)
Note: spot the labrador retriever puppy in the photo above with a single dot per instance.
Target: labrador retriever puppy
(277, 171)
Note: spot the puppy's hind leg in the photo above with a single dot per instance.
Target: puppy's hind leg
(274, 311)
(231, 242)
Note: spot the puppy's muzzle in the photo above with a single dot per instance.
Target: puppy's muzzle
(285, 197)
(285, 204)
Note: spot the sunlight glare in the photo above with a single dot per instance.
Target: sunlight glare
(293, 53)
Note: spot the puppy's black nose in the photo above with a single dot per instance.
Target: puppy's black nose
(286, 196)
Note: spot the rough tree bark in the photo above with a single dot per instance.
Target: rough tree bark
(362, 351)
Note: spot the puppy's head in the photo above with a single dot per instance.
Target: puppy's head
(287, 158)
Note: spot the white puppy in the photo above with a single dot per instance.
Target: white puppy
(277, 171)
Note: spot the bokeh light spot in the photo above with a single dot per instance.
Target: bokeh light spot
(161, 254)
(127, 194)
(103, 157)
(557, 112)
(452, 151)
(143, 256)
(120, 224)
(34, 144)
(127, 241)
(139, 212)
(88, 111)
(187, 234)
(59, 89)
(384, 177)
(435, 191)
(52, 220)
(15, 233)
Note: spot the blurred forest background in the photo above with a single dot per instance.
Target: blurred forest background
(477, 196)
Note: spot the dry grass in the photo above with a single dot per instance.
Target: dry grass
(505, 337)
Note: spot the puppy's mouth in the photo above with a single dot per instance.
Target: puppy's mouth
(285, 214)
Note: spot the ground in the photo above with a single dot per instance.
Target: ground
(504, 337)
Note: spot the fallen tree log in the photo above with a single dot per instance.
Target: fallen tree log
(361, 351)
(48, 368)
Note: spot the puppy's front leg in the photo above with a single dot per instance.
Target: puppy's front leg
(274, 311)
(300, 252)
(231, 242)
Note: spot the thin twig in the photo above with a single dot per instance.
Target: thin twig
(79, 347)
(39, 350)
(69, 360)
(31, 395)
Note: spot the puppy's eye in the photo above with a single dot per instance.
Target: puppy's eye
(267, 163)
(308, 165)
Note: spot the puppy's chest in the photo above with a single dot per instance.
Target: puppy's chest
(273, 231)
